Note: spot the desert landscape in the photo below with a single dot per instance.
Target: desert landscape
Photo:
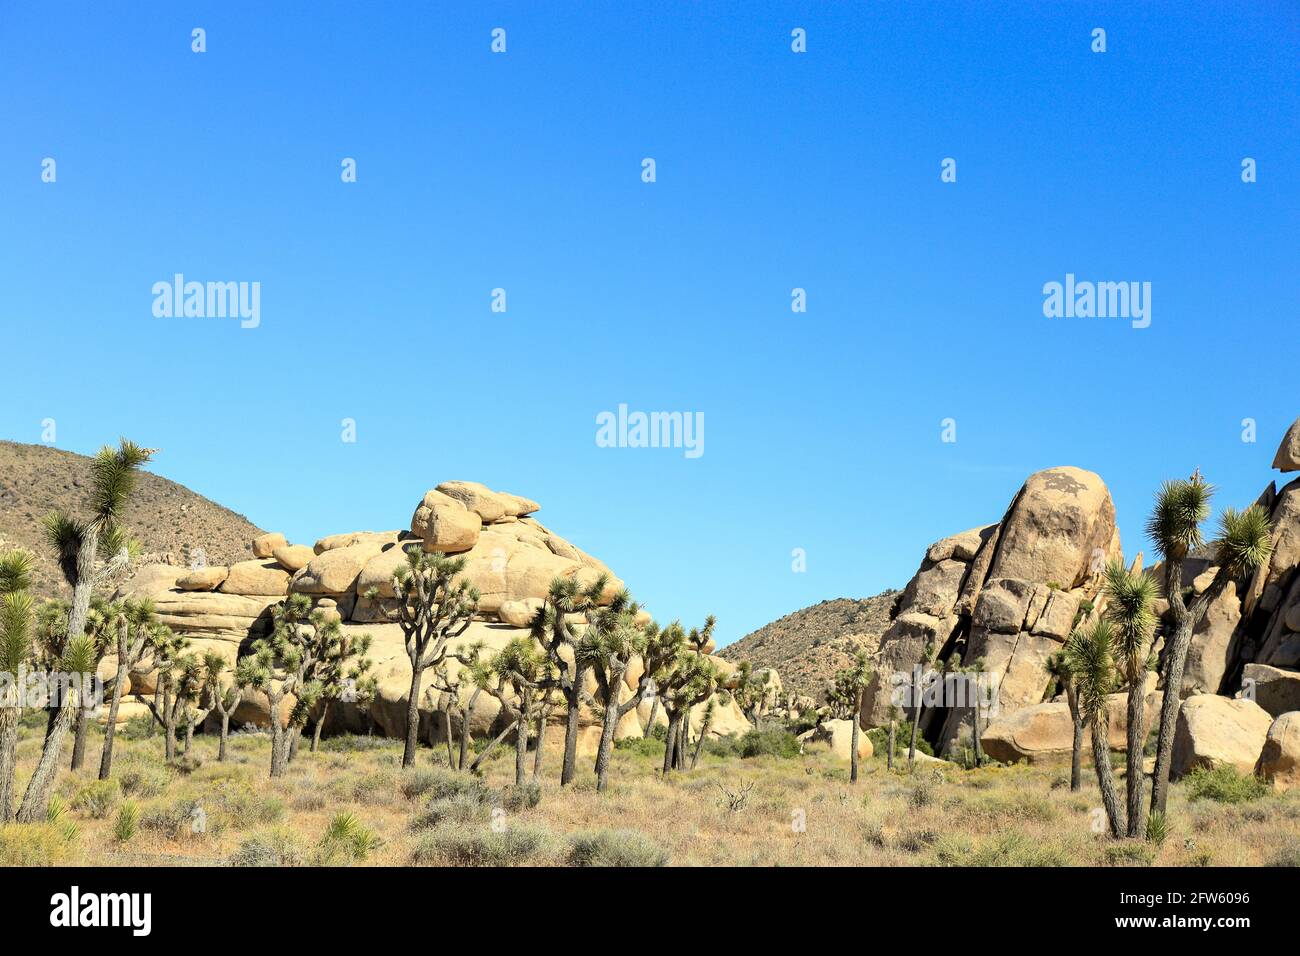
(471, 688)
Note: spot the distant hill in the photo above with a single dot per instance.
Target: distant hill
(807, 647)
(166, 518)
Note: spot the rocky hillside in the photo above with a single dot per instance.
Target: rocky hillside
(166, 518)
(807, 647)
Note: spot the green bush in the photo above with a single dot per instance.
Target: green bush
(518, 798)
(142, 727)
(1157, 828)
(615, 848)
(459, 808)
(33, 844)
(346, 839)
(97, 798)
(641, 746)
(144, 780)
(1225, 785)
(767, 742)
(418, 782)
(356, 743)
(1011, 849)
(879, 737)
(128, 820)
(1129, 854)
(510, 847)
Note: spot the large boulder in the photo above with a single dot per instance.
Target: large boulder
(1275, 689)
(1061, 523)
(151, 581)
(1045, 732)
(1279, 761)
(488, 504)
(336, 570)
(257, 577)
(445, 524)
(293, 557)
(1214, 645)
(1288, 453)
(203, 579)
(216, 615)
(348, 539)
(264, 545)
(1215, 731)
(837, 737)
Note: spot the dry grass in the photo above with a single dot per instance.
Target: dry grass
(352, 804)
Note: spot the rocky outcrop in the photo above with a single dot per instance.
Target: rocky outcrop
(1006, 594)
(1045, 732)
(836, 736)
(1215, 731)
(1279, 761)
(1288, 453)
(1274, 689)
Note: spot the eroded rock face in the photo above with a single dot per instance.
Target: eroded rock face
(1279, 761)
(258, 578)
(837, 737)
(1215, 731)
(1008, 594)
(1214, 645)
(1288, 453)
(1045, 732)
(1275, 689)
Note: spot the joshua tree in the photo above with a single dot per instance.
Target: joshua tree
(691, 679)
(1058, 665)
(343, 672)
(1243, 544)
(15, 654)
(179, 682)
(275, 667)
(222, 696)
(1130, 605)
(846, 698)
(1088, 656)
(134, 626)
(102, 623)
(918, 693)
(553, 629)
(81, 544)
(473, 672)
(521, 669)
(433, 608)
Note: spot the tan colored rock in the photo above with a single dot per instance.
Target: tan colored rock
(378, 572)
(216, 615)
(1062, 521)
(1275, 689)
(488, 504)
(1279, 760)
(1214, 645)
(336, 570)
(1057, 617)
(935, 588)
(203, 579)
(293, 557)
(1215, 731)
(151, 581)
(449, 530)
(902, 647)
(837, 737)
(264, 545)
(1044, 733)
(256, 577)
(351, 538)
(962, 547)
(519, 613)
(1003, 605)
(1288, 453)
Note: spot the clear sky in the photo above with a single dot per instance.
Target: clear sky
(775, 170)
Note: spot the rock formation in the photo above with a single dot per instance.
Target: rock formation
(510, 557)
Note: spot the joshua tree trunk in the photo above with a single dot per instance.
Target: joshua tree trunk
(189, 734)
(573, 698)
(110, 729)
(606, 748)
(225, 735)
(889, 760)
(1105, 777)
(412, 716)
(446, 727)
(277, 737)
(320, 725)
(1136, 737)
(853, 748)
(699, 744)
(674, 722)
(1076, 750)
(654, 712)
(492, 746)
(524, 723)
(79, 738)
(8, 759)
(41, 785)
(170, 748)
(537, 753)
(976, 732)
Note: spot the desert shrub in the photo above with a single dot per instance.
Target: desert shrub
(914, 841)
(1014, 806)
(246, 808)
(1225, 785)
(33, 844)
(97, 798)
(641, 746)
(921, 796)
(418, 782)
(523, 797)
(767, 742)
(357, 743)
(879, 737)
(615, 848)
(1010, 849)
(1289, 855)
(1129, 854)
(309, 801)
(1157, 828)
(466, 807)
(144, 780)
(127, 822)
(514, 846)
(373, 788)
(346, 839)
(183, 816)
(277, 846)
(141, 727)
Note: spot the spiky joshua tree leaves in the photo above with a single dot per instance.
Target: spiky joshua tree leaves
(1130, 608)
(524, 674)
(15, 655)
(691, 679)
(82, 544)
(135, 625)
(846, 695)
(1089, 655)
(1244, 542)
(435, 605)
(222, 693)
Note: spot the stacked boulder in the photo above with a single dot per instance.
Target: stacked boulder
(1007, 594)
(509, 556)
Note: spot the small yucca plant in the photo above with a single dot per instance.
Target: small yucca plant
(128, 821)
(1157, 828)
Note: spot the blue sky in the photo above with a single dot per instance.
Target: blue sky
(775, 170)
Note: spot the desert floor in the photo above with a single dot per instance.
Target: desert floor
(351, 803)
